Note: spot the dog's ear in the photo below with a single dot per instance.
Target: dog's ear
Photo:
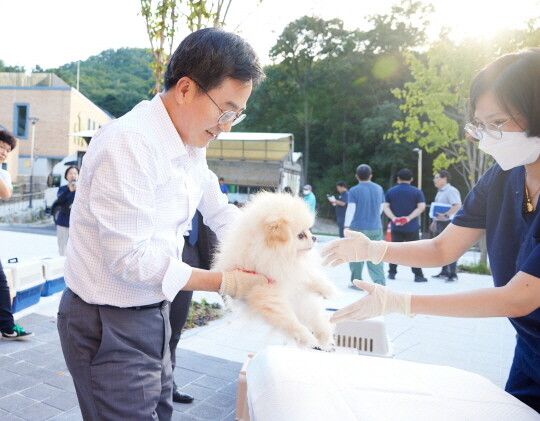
(276, 230)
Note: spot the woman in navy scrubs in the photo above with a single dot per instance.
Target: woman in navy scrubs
(505, 120)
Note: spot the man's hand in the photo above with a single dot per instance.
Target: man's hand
(379, 301)
(355, 247)
(402, 220)
(237, 283)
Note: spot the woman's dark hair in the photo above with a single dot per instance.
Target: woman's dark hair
(211, 55)
(514, 79)
(8, 138)
(69, 168)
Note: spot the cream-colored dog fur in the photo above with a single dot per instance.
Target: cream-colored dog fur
(272, 237)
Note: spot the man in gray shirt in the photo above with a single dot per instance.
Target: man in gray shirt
(447, 194)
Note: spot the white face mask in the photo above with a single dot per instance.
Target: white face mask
(306, 192)
(512, 150)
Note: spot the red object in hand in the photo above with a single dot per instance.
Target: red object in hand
(400, 221)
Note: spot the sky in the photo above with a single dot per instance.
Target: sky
(51, 33)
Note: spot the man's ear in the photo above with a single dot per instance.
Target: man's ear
(276, 231)
(184, 90)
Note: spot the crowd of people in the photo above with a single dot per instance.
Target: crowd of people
(132, 250)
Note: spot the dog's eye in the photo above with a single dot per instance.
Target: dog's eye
(301, 236)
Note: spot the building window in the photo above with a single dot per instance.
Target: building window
(89, 126)
(20, 121)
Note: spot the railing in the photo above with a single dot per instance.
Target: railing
(17, 208)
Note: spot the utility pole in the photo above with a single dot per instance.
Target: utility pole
(32, 120)
(419, 180)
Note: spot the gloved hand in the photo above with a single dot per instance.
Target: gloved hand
(355, 247)
(379, 301)
(237, 283)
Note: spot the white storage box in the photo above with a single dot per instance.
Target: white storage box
(364, 337)
(28, 280)
(53, 271)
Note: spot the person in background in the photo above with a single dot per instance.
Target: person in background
(66, 196)
(10, 331)
(287, 189)
(224, 187)
(503, 206)
(123, 259)
(364, 215)
(449, 195)
(309, 198)
(199, 245)
(340, 204)
(404, 203)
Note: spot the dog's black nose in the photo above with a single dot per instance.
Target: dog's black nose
(314, 238)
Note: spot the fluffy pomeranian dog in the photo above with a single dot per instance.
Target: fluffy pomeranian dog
(272, 237)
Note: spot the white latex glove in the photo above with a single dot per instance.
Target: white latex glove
(237, 283)
(379, 301)
(355, 247)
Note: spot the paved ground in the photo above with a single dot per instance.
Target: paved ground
(35, 385)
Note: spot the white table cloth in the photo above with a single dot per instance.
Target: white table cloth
(291, 384)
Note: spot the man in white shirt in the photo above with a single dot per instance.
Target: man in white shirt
(449, 195)
(143, 177)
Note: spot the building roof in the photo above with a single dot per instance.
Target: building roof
(252, 146)
(34, 80)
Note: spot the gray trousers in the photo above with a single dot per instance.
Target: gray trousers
(119, 359)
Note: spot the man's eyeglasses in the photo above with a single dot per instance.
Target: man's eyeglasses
(477, 128)
(226, 117)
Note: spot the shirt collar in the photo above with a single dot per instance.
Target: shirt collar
(171, 139)
(446, 187)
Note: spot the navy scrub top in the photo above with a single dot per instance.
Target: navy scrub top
(512, 237)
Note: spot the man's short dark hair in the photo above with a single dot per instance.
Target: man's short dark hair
(405, 174)
(445, 174)
(211, 55)
(341, 184)
(8, 138)
(363, 171)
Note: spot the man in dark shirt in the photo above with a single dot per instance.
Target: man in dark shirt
(403, 205)
(340, 204)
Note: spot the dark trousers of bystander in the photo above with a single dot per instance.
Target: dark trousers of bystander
(6, 316)
(403, 237)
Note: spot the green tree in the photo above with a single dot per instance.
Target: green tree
(302, 44)
(115, 80)
(160, 17)
(435, 106)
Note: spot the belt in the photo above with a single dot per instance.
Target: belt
(161, 304)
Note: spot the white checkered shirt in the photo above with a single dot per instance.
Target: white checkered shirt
(138, 190)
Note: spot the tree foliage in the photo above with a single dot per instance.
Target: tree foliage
(160, 17)
(115, 80)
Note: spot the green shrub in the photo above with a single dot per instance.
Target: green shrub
(479, 268)
(202, 313)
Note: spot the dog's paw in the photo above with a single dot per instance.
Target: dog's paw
(304, 337)
(326, 290)
(326, 341)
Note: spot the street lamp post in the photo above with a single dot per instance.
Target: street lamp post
(32, 120)
(419, 167)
